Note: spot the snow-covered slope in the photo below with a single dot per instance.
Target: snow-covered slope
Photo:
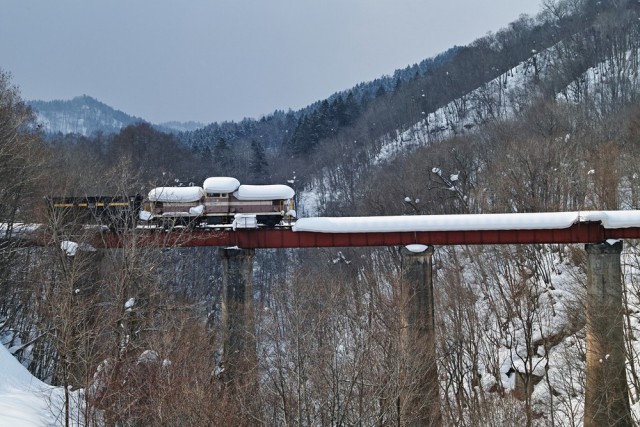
(496, 99)
(505, 95)
(24, 399)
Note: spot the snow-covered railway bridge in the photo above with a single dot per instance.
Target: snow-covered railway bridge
(606, 400)
(483, 229)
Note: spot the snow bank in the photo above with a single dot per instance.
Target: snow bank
(264, 192)
(220, 184)
(512, 221)
(176, 194)
(24, 399)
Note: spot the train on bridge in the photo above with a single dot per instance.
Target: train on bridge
(219, 202)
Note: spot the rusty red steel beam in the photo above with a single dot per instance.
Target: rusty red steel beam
(581, 232)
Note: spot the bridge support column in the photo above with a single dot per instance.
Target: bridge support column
(606, 394)
(238, 325)
(420, 398)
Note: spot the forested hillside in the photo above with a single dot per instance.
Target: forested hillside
(82, 115)
(540, 116)
(86, 116)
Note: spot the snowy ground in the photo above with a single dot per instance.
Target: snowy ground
(25, 400)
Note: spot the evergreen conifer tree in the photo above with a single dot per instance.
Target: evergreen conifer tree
(224, 158)
(258, 166)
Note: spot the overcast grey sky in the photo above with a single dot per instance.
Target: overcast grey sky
(216, 60)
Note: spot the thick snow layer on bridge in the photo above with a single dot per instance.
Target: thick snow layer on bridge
(264, 192)
(612, 219)
(176, 194)
(510, 221)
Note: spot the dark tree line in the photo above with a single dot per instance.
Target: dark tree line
(325, 121)
(156, 158)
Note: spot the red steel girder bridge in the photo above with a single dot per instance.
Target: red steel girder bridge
(589, 227)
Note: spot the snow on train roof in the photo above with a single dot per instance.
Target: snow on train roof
(176, 194)
(264, 192)
(220, 184)
(509, 221)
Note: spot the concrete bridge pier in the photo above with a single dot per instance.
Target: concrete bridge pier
(606, 394)
(238, 323)
(419, 399)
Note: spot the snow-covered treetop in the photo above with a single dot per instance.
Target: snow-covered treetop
(176, 194)
(264, 192)
(220, 184)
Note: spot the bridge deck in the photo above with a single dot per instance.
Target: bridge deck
(485, 229)
(582, 232)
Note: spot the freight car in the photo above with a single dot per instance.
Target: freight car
(115, 212)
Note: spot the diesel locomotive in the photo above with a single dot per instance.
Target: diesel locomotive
(220, 201)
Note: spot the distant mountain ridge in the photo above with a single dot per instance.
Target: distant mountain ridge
(84, 115)
(81, 115)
